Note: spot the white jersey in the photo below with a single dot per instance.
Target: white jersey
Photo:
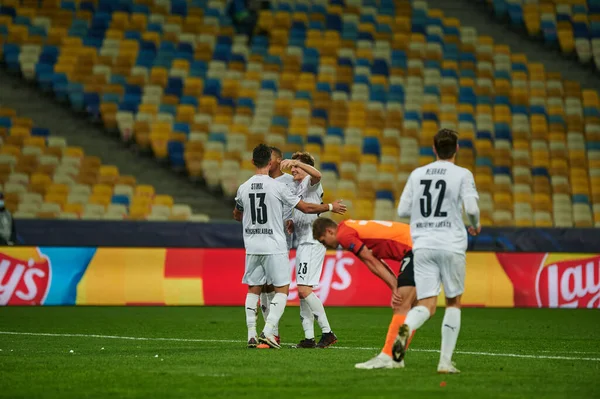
(262, 199)
(313, 194)
(434, 196)
(289, 182)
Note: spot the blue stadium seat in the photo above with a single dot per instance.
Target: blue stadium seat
(580, 199)
(330, 166)
(120, 200)
(371, 146)
(385, 195)
(540, 171)
(175, 149)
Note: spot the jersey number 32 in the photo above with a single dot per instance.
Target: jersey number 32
(426, 200)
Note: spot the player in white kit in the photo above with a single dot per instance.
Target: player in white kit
(259, 205)
(433, 198)
(310, 253)
(268, 291)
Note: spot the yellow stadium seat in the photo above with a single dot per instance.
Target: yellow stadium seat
(108, 174)
(503, 201)
(102, 189)
(143, 190)
(56, 198)
(166, 200)
(159, 141)
(76, 152)
(566, 39)
(542, 202)
(363, 209)
(138, 212)
(62, 189)
(99, 199)
(159, 76)
(193, 87)
(20, 131)
(73, 208)
(141, 201)
(10, 150)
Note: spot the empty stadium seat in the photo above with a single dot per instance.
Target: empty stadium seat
(364, 98)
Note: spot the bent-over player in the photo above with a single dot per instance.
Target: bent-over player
(374, 241)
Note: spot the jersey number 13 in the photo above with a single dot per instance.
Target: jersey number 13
(426, 200)
(258, 212)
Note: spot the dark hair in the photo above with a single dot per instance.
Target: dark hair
(277, 152)
(304, 157)
(445, 142)
(320, 225)
(261, 155)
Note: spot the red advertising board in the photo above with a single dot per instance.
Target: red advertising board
(190, 276)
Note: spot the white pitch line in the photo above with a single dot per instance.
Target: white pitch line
(513, 355)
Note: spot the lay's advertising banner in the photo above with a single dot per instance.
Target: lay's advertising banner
(180, 276)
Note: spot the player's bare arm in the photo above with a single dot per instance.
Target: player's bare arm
(378, 268)
(315, 175)
(336, 207)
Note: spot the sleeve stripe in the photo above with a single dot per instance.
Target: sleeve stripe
(359, 249)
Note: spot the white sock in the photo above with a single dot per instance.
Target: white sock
(275, 312)
(307, 319)
(319, 312)
(271, 295)
(251, 312)
(264, 304)
(450, 330)
(416, 317)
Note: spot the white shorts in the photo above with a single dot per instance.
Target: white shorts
(434, 267)
(271, 269)
(309, 264)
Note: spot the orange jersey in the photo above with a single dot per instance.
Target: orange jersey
(387, 240)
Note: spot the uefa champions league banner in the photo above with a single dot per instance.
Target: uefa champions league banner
(179, 276)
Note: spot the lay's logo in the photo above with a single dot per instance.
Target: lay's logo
(24, 277)
(569, 283)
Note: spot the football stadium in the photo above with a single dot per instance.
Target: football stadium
(233, 198)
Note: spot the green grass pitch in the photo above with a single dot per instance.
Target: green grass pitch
(193, 352)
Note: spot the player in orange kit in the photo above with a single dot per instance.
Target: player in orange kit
(373, 241)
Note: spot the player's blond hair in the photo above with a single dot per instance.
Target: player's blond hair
(304, 157)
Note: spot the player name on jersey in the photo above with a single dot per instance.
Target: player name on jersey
(436, 171)
(259, 231)
(432, 225)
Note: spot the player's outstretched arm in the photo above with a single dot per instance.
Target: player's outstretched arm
(315, 175)
(335, 207)
(378, 268)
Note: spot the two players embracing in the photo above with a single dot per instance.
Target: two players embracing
(262, 202)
